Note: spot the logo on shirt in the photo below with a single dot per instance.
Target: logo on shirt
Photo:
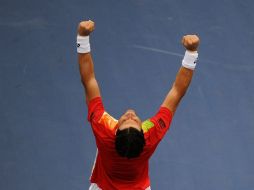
(161, 123)
(108, 121)
(147, 125)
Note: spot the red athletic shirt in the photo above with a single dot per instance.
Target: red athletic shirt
(112, 172)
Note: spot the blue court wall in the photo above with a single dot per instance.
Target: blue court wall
(45, 139)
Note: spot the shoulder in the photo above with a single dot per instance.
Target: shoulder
(95, 109)
(161, 119)
(147, 125)
(156, 127)
(108, 121)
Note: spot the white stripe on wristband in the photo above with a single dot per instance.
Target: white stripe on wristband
(83, 45)
(190, 59)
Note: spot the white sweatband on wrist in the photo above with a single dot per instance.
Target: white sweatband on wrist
(190, 59)
(83, 45)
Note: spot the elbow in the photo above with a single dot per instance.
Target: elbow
(83, 82)
(88, 82)
(183, 92)
(85, 79)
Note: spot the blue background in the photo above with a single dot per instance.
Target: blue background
(45, 140)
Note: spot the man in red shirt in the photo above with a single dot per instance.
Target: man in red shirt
(124, 146)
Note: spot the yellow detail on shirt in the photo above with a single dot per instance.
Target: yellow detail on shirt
(108, 121)
(146, 125)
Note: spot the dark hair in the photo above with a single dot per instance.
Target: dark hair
(129, 142)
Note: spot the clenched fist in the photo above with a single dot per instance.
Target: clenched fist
(85, 28)
(190, 42)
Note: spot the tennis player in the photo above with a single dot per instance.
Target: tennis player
(125, 146)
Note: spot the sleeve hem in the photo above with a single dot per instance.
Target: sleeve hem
(170, 112)
(95, 108)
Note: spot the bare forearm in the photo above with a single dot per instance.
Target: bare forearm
(179, 88)
(86, 67)
(183, 80)
(185, 73)
(85, 60)
(88, 79)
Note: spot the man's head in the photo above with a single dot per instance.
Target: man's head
(130, 139)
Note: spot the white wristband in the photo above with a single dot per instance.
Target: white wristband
(83, 45)
(190, 59)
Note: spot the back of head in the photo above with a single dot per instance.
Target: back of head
(129, 142)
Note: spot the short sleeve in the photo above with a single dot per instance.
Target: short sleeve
(103, 124)
(95, 109)
(156, 127)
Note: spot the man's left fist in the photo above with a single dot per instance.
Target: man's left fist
(190, 42)
(85, 28)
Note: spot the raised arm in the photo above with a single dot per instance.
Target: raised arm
(85, 61)
(184, 75)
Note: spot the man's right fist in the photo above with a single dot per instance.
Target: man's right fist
(190, 42)
(85, 28)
